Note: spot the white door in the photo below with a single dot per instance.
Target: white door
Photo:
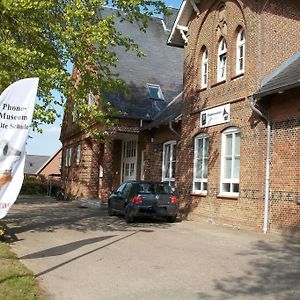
(129, 160)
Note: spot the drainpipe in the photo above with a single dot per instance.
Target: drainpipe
(173, 130)
(267, 175)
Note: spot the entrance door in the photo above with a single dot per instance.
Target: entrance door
(129, 160)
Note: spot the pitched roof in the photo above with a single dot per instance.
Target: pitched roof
(34, 162)
(180, 26)
(162, 65)
(285, 77)
(47, 162)
(169, 114)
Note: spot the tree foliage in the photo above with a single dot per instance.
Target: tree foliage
(41, 38)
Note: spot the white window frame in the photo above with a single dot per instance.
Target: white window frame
(222, 60)
(74, 113)
(170, 161)
(68, 158)
(129, 158)
(240, 52)
(204, 69)
(143, 164)
(78, 154)
(91, 99)
(203, 157)
(233, 131)
(156, 86)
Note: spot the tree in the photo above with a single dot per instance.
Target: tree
(40, 39)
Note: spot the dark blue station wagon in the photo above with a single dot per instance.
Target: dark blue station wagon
(143, 199)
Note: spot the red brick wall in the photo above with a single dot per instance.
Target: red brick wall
(285, 160)
(53, 167)
(247, 209)
(154, 150)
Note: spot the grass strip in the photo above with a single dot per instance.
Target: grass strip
(16, 281)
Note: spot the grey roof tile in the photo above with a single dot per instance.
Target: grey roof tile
(285, 77)
(33, 163)
(162, 65)
(169, 114)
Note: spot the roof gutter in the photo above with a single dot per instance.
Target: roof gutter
(267, 171)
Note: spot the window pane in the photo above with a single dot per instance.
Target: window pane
(126, 169)
(226, 187)
(204, 186)
(235, 187)
(174, 153)
(200, 149)
(237, 144)
(199, 169)
(205, 168)
(206, 147)
(236, 168)
(227, 168)
(173, 170)
(197, 186)
(228, 145)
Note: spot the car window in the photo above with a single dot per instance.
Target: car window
(127, 190)
(146, 188)
(163, 188)
(153, 188)
(121, 188)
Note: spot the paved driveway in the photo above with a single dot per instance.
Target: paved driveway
(81, 253)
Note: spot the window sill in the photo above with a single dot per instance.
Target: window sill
(228, 196)
(218, 83)
(201, 194)
(237, 76)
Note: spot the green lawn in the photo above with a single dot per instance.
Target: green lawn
(16, 281)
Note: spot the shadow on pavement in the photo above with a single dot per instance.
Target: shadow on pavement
(50, 215)
(273, 273)
(60, 250)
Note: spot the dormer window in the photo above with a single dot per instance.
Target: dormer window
(154, 92)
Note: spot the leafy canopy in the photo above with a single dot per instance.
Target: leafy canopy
(40, 38)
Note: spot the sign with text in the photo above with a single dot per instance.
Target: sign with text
(215, 116)
(16, 110)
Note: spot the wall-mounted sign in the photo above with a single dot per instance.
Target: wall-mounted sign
(215, 116)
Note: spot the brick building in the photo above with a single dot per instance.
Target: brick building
(232, 49)
(229, 143)
(92, 170)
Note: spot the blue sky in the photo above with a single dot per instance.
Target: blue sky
(48, 142)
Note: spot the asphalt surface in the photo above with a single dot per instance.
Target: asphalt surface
(81, 253)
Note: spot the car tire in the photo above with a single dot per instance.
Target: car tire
(129, 218)
(171, 219)
(109, 210)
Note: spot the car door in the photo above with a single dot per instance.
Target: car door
(126, 195)
(115, 197)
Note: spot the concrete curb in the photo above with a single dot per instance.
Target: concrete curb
(91, 203)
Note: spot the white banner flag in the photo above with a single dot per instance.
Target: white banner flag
(16, 110)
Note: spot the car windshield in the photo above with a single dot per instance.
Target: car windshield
(154, 188)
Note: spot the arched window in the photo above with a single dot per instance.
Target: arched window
(169, 162)
(204, 69)
(222, 60)
(200, 164)
(230, 163)
(240, 52)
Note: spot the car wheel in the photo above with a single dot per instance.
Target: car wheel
(109, 210)
(129, 218)
(171, 219)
